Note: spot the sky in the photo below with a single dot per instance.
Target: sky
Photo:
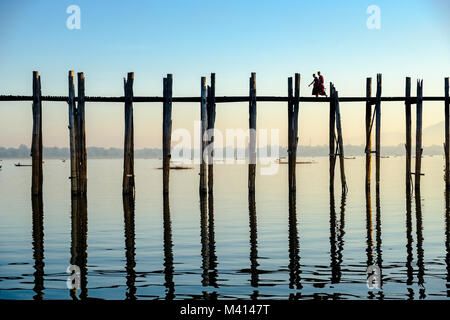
(232, 38)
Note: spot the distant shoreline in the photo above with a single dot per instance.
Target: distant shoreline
(23, 152)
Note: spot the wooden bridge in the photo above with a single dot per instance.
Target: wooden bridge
(208, 101)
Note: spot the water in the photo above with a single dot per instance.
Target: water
(227, 246)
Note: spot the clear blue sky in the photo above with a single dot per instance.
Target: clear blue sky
(231, 38)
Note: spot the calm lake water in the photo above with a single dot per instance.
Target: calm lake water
(226, 246)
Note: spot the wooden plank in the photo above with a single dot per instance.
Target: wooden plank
(378, 131)
(340, 141)
(167, 130)
(252, 129)
(418, 136)
(82, 152)
(128, 184)
(332, 137)
(74, 174)
(368, 150)
(211, 114)
(408, 133)
(447, 135)
(36, 140)
(204, 126)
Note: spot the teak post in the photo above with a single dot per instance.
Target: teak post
(340, 141)
(211, 114)
(73, 132)
(447, 135)
(294, 132)
(332, 136)
(418, 136)
(408, 132)
(252, 129)
(167, 130)
(81, 145)
(128, 186)
(378, 131)
(290, 135)
(36, 141)
(204, 126)
(368, 148)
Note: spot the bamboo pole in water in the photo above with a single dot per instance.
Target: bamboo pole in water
(82, 158)
(73, 131)
(408, 132)
(378, 131)
(167, 130)
(36, 141)
(418, 135)
(340, 142)
(252, 129)
(368, 150)
(332, 136)
(211, 114)
(204, 125)
(447, 135)
(128, 186)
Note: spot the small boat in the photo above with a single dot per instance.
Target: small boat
(349, 158)
(22, 165)
(63, 160)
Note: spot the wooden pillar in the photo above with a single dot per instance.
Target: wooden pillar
(290, 135)
(252, 129)
(211, 114)
(408, 133)
(167, 130)
(294, 140)
(204, 125)
(340, 141)
(418, 135)
(36, 140)
(81, 135)
(332, 136)
(447, 135)
(128, 186)
(73, 132)
(378, 131)
(368, 150)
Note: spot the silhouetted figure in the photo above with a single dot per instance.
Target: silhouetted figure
(315, 83)
(321, 89)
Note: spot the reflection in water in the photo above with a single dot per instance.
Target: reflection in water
(447, 239)
(168, 253)
(212, 243)
(38, 245)
(79, 243)
(128, 211)
(409, 245)
(253, 244)
(370, 250)
(294, 257)
(420, 253)
(209, 259)
(336, 237)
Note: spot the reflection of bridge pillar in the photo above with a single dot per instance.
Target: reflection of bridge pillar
(128, 210)
(38, 245)
(79, 243)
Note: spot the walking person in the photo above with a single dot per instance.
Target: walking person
(315, 83)
(321, 89)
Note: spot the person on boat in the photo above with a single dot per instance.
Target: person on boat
(315, 83)
(321, 85)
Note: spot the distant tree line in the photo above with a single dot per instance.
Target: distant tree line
(23, 152)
